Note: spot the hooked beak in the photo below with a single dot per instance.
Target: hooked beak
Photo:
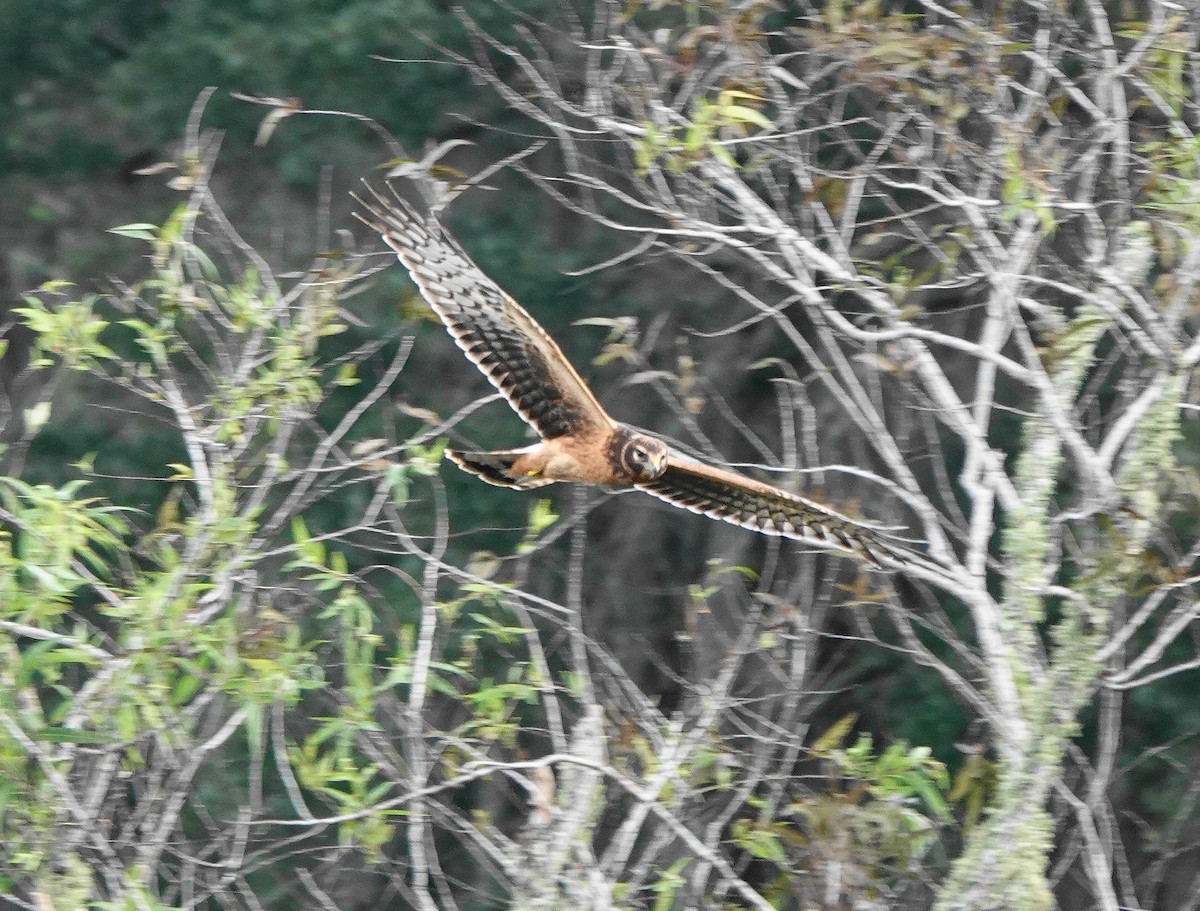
(658, 462)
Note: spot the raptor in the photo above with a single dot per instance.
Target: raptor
(579, 441)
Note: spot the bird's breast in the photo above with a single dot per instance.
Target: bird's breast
(580, 458)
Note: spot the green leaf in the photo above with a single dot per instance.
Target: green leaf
(835, 735)
(71, 735)
(930, 794)
(254, 725)
(760, 843)
(723, 155)
(181, 471)
(668, 884)
(36, 416)
(541, 516)
(299, 530)
(727, 96)
(32, 660)
(185, 688)
(398, 483)
(138, 231)
(740, 114)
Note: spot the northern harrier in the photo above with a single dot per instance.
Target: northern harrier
(579, 441)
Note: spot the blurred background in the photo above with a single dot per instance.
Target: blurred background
(97, 94)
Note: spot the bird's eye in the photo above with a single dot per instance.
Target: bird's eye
(640, 455)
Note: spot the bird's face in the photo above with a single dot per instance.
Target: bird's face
(644, 457)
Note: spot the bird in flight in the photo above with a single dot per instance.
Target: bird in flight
(579, 441)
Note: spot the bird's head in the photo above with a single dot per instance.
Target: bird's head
(642, 457)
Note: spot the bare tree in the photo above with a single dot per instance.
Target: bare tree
(976, 232)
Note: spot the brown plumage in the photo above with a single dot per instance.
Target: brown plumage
(579, 441)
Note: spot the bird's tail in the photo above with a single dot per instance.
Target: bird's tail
(495, 467)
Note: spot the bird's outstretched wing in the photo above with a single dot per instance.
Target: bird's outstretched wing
(727, 496)
(515, 353)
